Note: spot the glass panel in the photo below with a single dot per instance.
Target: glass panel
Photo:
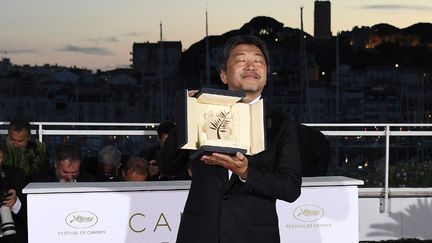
(358, 157)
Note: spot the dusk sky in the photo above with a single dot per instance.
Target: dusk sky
(98, 34)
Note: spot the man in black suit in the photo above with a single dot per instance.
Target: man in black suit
(232, 198)
(315, 151)
(66, 167)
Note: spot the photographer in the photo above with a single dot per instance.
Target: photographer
(23, 151)
(12, 212)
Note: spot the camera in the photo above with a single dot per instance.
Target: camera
(7, 223)
(4, 194)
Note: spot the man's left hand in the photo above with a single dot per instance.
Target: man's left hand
(238, 164)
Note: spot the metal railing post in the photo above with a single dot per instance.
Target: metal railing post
(387, 169)
(40, 131)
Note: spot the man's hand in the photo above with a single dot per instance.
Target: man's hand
(153, 168)
(11, 199)
(238, 164)
(192, 92)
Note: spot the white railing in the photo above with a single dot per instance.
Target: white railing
(44, 130)
(386, 130)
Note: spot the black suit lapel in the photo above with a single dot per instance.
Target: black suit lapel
(232, 180)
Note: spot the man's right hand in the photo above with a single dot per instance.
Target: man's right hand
(11, 199)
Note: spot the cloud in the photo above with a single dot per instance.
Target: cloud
(18, 51)
(104, 39)
(110, 39)
(114, 39)
(111, 67)
(87, 50)
(396, 7)
(135, 34)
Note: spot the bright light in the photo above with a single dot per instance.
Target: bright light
(276, 40)
(396, 65)
(360, 167)
(322, 73)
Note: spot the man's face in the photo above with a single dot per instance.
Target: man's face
(246, 70)
(67, 170)
(162, 138)
(19, 139)
(108, 168)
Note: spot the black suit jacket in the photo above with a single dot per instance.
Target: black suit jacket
(315, 151)
(219, 209)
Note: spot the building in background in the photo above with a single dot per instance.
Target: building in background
(388, 83)
(155, 66)
(322, 20)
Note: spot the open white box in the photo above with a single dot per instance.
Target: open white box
(215, 121)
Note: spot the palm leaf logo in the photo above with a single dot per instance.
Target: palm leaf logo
(221, 123)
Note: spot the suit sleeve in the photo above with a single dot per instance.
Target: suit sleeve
(283, 179)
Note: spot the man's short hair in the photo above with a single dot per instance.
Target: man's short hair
(138, 165)
(20, 125)
(67, 152)
(109, 155)
(165, 127)
(238, 40)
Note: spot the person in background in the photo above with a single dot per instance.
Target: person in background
(153, 169)
(12, 181)
(109, 158)
(23, 151)
(150, 155)
(181, 172)
(232, 198)
(315, 152)
(136, 169)
(163, 130)
(67, 164)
